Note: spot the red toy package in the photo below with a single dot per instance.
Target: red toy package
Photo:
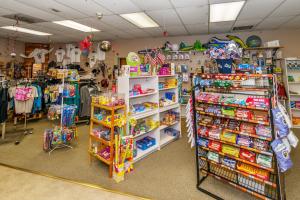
(203, 131)
(247, 155)
(214, 145)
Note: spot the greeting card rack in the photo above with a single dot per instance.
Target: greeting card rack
(229, 145)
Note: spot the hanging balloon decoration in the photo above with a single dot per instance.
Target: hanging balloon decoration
(85, 45)
(105, 46)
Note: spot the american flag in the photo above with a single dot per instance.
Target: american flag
(161, 57)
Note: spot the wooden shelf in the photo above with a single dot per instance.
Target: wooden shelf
(108, 162)
(108, 107)
(143, 95)
(103, 141)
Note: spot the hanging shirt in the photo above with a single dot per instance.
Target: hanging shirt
(23, 106)
(85, 101)
(3, 104)
(60, 53)
(38, 55)
(69, 48)
(92, 59)
(100, 53)
(75, 55)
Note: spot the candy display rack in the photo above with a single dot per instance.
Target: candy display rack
(233, 135)
(103, 144)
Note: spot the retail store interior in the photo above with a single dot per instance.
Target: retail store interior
(160, 99)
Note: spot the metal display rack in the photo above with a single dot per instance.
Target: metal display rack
(262, 188)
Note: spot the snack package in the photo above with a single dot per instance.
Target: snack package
(214, 145)
(259, 144)
(247, 128)
(244, 141)
(263, 130)
(244, 114)
(282, 154)
(229, 162)
(203, 131)
(203, 142)
(228, 137)
(247, 155)
(214, 133)
(260, 116)
(229, 111)
(257, 172)
(258, 102)
(233, 125)
(230, 150)
(213, 156)
(264, 160)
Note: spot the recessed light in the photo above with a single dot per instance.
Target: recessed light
(25, 30)
(140, 19)
(75, 25)
(225, 11)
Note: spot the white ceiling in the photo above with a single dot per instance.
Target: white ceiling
(177, 17)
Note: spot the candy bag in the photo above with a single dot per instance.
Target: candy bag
(280, 123)
(283, 157)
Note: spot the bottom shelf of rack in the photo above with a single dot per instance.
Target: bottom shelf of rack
(238, 186)
(143, 153)
(108, 162)
(166, 139)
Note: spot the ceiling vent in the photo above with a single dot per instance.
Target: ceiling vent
(242, 28)
(24, 18)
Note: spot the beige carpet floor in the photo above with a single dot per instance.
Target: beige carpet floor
(168, 174)
(16, 184)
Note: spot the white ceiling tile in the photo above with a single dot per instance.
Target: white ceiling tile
(222, 1)
(189, 3)
(29, 10)
(95, 23)
(288, 8)
(293, 23)
(7, 22)
(176, 30)
(117, 22)
(193, 15)
(152, 5)
(119, 7)
(197, 28)
(258, 8)
(248, 22)
(272, 22)
(47, 5)
(167, 17)
(89, 8)
(220, 27)
(157, 31)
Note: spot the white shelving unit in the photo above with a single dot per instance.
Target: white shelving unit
(124, 84)
(292, 87)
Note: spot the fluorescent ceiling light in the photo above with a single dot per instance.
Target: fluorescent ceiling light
(25, 30)
(75, 25)
(140, 19)
(225, 11)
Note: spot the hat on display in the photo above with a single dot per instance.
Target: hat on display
(133, 59)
